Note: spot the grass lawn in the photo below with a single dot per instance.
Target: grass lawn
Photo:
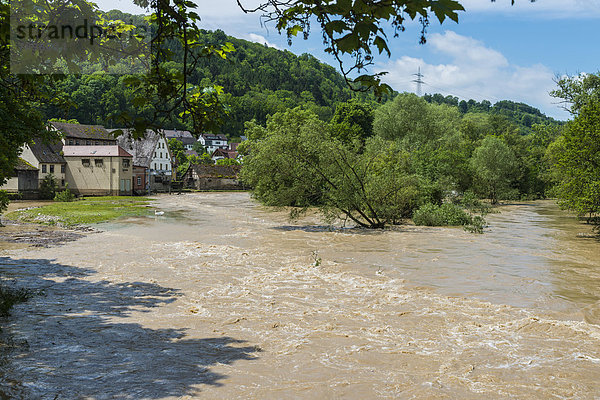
(89, 210)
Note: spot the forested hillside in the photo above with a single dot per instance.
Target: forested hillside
(519, 113)
(257, 81)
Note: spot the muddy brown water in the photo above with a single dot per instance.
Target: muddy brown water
(221, 298)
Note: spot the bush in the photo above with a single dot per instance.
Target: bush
(64, 196)
(48, 188)
(472, 203)
(445, 215)
(448, 215)
(228, 161)
(3, 201)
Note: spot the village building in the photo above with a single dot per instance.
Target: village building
(24, 180)
(212, 177)
(185, 137)
(152, 161)
(99, 170)
(212, 142)
(83, 135)
(220, 154)
(46, 157)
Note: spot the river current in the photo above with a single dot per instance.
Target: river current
(223, 298)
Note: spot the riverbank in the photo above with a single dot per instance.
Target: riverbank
(49, 224)
(85, 211)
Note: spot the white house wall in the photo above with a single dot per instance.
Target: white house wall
(161, 158)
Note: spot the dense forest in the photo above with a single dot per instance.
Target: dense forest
(257, 81)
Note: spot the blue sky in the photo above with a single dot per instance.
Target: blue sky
(495, 52)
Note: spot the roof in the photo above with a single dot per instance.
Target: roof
(47, 152)
(177, 134)
(191, 153)
(184, 137)
(142, 150)
(95, 132)
(225, 153)
(23, 165)
(95, 151)
(212, 136)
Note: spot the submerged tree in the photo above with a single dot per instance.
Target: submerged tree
(576, 162)
(494, 166)
(296, 161)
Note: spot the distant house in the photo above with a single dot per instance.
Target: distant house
(99, 170)
(24, 180)
(185, 137)
(212, 142)
(212, 177)
(152, 160)
(220, 154)
(46, 157)
(84, 135)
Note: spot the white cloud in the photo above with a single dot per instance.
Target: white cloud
(253, 37)
(475, 71)
(123, 5)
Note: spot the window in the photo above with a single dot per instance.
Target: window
(63, 169)
(51, 169)
(85, 162)
(99, 162)
(139, 180)
(70, 142)
(44, 169)
(77, 143)
(87, 143)
(161, 166)
(62, 182)
(161, 154)
(125, 163)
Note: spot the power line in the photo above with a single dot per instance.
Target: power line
(419, 81)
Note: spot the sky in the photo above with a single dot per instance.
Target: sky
(495, 52)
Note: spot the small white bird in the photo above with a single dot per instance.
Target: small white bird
(159, 213)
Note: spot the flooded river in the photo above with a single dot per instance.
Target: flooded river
(222, 298)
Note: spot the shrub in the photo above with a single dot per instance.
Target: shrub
(448, 214)
(4, 199)
(48, 188)
(228, 161)
(445, 215)
(64, 196)
(473, 204)
(477, 224)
